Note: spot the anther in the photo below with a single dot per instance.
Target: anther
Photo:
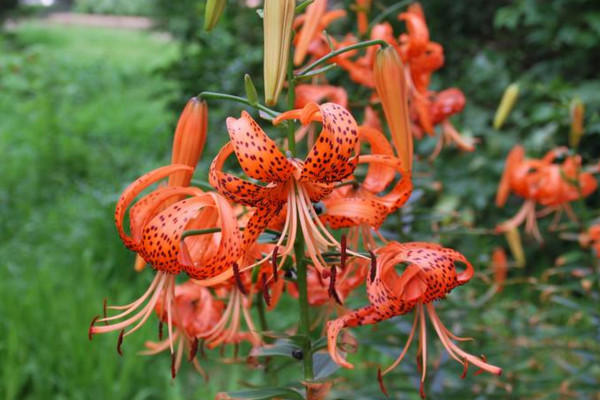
(104, 310)
(173, 370)
(90, 331)
(274, 263)
(265, 290)
(381, 385)
(120, 342)
(193, 349)
(238, 279)
(373, 272)
(480, 370)
(332, 291)
(465, 369)
(343, 253)
(160, 330)
(422, 390)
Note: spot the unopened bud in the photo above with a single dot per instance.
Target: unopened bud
(212, 13)
(390, 83)
(509, 98)
(513, 237)
(189, 140)
(278, 18)
(577, 111)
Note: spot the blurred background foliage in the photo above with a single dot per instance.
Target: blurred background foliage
(84, 111)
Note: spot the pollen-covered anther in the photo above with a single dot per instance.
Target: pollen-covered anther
(373, 270)
(274, 263)
(120, 342)
(90, 330)
(193, 349)
(332, 292)
(238, 279)
(265, 290)
(381, 385)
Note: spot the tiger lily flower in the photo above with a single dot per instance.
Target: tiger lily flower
(291, 183)
(156, 234)
(195, 311)
(430, 275)
(591, 237)
(542, 182)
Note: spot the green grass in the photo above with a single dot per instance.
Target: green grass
(82, 114)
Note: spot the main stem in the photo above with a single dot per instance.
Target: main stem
(304, 327)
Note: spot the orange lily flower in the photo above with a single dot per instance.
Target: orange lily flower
(446, 104)
(542, 182)
(292, 183)
(592, 236)
(195, 311)
(431, 274)
(156, 235)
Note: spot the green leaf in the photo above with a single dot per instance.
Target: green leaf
(323, 366)
(281, 347)
(265, 393)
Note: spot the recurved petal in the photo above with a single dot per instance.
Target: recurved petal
(514, 159)
(201, 261)
(161, 237)
(236, 189)
(148, 206)
(378, 176)
(258, 155)
(133, 190)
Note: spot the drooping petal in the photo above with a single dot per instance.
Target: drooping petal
(378, 176)
(201, 262)
(236, 189)
(515, 157)
(258, 155)
(148, 206)
(133, 190)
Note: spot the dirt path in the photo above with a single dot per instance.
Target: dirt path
(93, 20)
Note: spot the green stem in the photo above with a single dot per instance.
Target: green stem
(304, 328)
(243, 100)
(336, 53)
(202, 184)
(389, 11)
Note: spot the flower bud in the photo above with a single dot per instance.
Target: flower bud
(577, 111)
(277, 20)
(390, 83)
(212, 13)
(509, 98)
(189, 140)
(513, 237)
